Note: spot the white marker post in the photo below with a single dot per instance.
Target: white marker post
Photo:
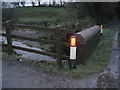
(101, 29)
(73, 48)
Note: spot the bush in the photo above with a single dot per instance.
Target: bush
(10, 14)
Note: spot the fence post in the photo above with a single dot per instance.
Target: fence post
(45, 23)
(59, 48)
(9, 38)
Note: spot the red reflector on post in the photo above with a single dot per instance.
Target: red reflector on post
(73, 41)
(101, 26)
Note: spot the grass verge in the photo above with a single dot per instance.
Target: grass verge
(4, 55)
(97, 62)
(40, 14)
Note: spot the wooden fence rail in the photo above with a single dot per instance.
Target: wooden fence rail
(70, 31)
(58, 40)
(36, 40)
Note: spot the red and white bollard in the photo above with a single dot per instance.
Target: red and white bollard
(73, 48)
(101, 29)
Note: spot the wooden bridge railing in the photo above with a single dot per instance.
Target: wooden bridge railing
(9, 26)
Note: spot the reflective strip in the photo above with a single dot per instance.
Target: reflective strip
(101, 31)
(73, 53)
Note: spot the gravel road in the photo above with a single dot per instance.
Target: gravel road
(109, 77)
(17, 75)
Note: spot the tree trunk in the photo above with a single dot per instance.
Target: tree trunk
(33, 4)
(38, 3)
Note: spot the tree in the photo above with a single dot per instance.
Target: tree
(61, 2)
(23, 4)
(9, 11)
(4, 4)
(39, 2)
(64, 2)
(15, 4)
(96, 10)
(33, 3)
(50, 3)
(54, 2)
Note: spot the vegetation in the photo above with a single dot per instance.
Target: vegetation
(10, 14)
(82, 14)
(40, 14)
(96, 63)
(37, 15)
(92, 13)
(98, 60)
(4, 55)
(72, 15)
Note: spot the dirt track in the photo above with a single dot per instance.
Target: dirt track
(17, 75)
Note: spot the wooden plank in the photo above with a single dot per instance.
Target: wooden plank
(66, 57)
(36, 40)
(9, 38)
(24, 49)
(69, 31)
(43, 28)
(59, 49)
(35, 28)
(33, 39)
(72, 31)
(33, 51)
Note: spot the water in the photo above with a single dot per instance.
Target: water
(29, 55)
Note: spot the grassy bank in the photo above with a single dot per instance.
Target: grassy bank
(39, 14)
(98, 60)
(96, 64)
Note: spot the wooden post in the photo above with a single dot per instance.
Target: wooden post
(45, 23)
(9, 38)
(59, 48)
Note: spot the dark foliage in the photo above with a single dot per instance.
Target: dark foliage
(98, 11)
(10, 14)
